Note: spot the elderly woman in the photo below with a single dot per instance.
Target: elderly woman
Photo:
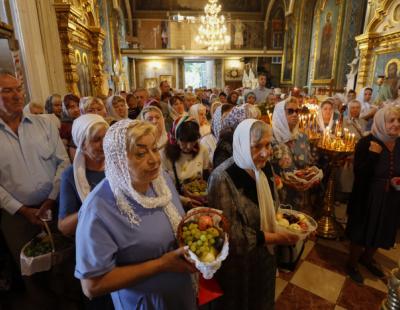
(126, 236)
(176, 109)
(92, 105)
(117, 108)
(79, 179)
(53, 105)
(292, 148)
(184, 157)
(86, 171)
(242, 188)
(154, 115)
(373, 209)
(208, 140)
(228, 125)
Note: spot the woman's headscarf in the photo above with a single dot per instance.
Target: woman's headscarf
(110, 107)
(65, 114)
(349, 105)
(80, 128)
(320, 119)
(163, 136)
(243, 159)
(365, 105)
(216, 122)
(280, 126)
(238, 114)
(194, 112)
(118, 176)
(172, 135)
(48, 106)
(250, 93)
(379, 126)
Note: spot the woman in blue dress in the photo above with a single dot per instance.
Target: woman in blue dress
(126, 235)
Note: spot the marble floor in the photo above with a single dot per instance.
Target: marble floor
(320, 281)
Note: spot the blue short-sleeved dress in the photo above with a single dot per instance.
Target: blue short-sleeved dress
(105, 239)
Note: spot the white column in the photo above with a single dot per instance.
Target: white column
(38, 48)
(51, 46)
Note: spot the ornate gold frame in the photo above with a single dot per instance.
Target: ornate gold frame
(79, 27)
(296, 34)
(372, 43)
(339, 30)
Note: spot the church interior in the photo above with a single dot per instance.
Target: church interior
(318, 79)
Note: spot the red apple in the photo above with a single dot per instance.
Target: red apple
(204, 222)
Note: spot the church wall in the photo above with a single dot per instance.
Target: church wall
(150, 72)
(353, 25)
(380, 49)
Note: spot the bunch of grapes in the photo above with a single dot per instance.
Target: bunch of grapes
(203, 242)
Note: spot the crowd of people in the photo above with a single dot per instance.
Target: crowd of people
(112, 170)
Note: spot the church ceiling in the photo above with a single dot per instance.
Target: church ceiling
(198, 5)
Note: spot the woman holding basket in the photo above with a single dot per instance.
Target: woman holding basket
(126, 236)
(242, 188)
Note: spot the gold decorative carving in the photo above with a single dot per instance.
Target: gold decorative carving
(379, 38)
(78, 27)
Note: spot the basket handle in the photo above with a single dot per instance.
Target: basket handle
(47, 228)
(286, 206)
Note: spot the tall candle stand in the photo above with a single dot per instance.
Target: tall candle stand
(335, 146)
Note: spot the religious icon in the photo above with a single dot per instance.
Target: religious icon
(326, 49)
(288, 66)
(391, 83)
(238, 39)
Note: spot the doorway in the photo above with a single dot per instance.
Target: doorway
(199, 73)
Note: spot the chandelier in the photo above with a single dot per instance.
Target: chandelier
(212, 29)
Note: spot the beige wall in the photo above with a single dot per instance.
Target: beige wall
(153, 68)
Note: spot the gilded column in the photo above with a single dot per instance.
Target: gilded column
(97, 41)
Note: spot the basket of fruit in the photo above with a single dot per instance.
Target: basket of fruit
(44, 251)
(205, 232)
(295, 222)
(303, 179)
(396, 183)
(195, 189)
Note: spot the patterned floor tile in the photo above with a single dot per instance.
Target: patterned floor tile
(328, 258)
(319, 281)
(279, 287)
(360, 297)
(294, 297)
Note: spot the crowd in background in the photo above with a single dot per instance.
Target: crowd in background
(112, 170)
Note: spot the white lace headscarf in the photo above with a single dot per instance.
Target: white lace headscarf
(80, 128)
(242, 157)
(280, 126)
(117, 174)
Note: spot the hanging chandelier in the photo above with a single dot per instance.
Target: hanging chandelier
(212, 29)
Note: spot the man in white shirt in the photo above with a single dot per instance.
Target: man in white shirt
(261, 91)
(32, 158)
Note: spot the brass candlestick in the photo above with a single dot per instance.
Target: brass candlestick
(336, 148)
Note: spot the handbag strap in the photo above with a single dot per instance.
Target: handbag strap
(177, 183)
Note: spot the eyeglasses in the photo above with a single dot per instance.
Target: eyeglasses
(292, 111)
